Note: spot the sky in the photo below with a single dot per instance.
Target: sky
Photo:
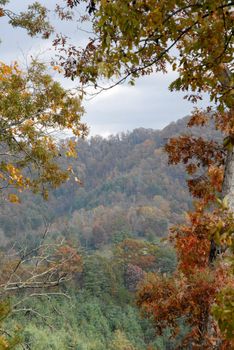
(148, 104)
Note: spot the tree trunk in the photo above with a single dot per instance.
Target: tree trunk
(228, 193)
(225, 77)
(228, 183)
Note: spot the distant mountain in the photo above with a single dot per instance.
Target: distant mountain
(127, 189)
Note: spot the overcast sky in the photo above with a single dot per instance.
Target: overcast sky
(148, 104)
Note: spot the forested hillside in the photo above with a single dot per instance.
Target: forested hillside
(125, 189)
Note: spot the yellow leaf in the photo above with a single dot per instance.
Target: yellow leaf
(13, 198)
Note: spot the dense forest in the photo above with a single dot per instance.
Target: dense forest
(125, 187)
(118, 217)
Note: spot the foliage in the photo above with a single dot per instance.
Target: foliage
(34, 20)
(224, 312)
(32, 107)
(133, 276)
(84, 321)
(32, 104)
(44, 267)
(136, 252)
(127, 190)
(7, 341)
(137, 38)
(170, 299)
(197, 284)
(100, 313)
(99, 277)
(92, 310)
(120, 342)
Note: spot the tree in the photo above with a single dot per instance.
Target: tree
(30, 273)
(200, 286)
(120, 342)
(41, 268)
(133, 275)
(191, 292)
(33, 106)
(34, 20)
(137, 253)
(7, 340)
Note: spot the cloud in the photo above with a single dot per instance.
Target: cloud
(148, 104)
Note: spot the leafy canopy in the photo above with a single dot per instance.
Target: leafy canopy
(32, 107)
(35, 19)
(139, 37)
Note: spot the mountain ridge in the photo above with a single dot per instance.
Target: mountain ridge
(125, 179)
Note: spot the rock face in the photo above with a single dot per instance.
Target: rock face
(228, 184)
